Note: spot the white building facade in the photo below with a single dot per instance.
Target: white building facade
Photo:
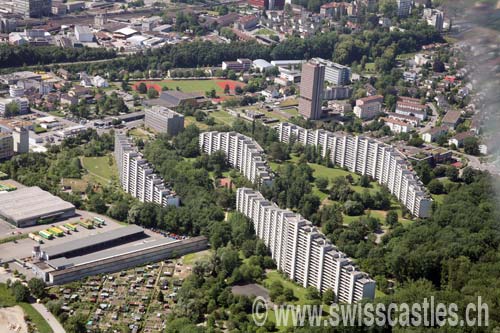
(366, 156)
(137, 176)
(302, 252)
(242, 153)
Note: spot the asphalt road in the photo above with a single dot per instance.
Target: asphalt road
(49, 318)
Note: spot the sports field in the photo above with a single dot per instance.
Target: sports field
(198, 86)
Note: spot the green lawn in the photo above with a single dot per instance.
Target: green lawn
(290, 102)
(8, 300)
(298, 291)
(99, 168)
(56, 113)
(198, 86)
(222, 117)
(190, 259)
(265, 31)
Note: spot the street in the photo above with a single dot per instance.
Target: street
(49, 318)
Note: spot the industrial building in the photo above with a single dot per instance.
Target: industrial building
(242, 153)
(31, 205)
(83, 34)
(366, 156)
(137, 176)
(108, 252)
(302, 252)
(164, 120)
(32, 8)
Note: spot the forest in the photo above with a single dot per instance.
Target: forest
(16, 56)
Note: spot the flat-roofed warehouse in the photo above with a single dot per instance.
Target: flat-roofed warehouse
(97, 242)
(31, 205)
(107, 253)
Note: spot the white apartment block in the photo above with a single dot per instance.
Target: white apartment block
(302, 252)
(242, 153)
(137, 176)
(335, 74)
(366, 156)
(21, 102)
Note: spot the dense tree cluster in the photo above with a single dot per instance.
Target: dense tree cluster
(15, 56)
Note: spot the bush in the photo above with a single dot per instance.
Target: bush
(435, 187)
(353, 208)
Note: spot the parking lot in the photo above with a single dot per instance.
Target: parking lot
(22, 248)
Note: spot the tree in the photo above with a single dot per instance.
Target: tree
(278, 151)
(435, 187)
(21, 292)
(312, 293)
(161, 297)
(227, 90)
(471, 146)
(37, 287)
(142, 88)
(438, 66)
(76, 324)
(353, 208)
(468, 175)
(11, 110)
(322, 183)
(391, 218)
(416, 141)
(452, 173)
(152, 93)
(364, 181)
(97, 204)
(328, 296)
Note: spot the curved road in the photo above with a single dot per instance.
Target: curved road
(49, 318)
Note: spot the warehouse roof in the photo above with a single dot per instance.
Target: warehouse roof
(31, 202)
(93, 240)
(63, 262)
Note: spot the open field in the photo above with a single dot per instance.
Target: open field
(99, 168)
(198, 86)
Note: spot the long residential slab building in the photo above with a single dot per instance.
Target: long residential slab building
(137, 176)
(302, 252)
(366, 156)
(242, 153)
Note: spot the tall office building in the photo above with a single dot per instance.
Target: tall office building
(242, 153)
(366, 156)
(404, 7)
(335, 74)
(6, 146)
(164, 120)
(302, 252)
(21, 138)
(137, 176)
(311, 90)
(33, 8)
